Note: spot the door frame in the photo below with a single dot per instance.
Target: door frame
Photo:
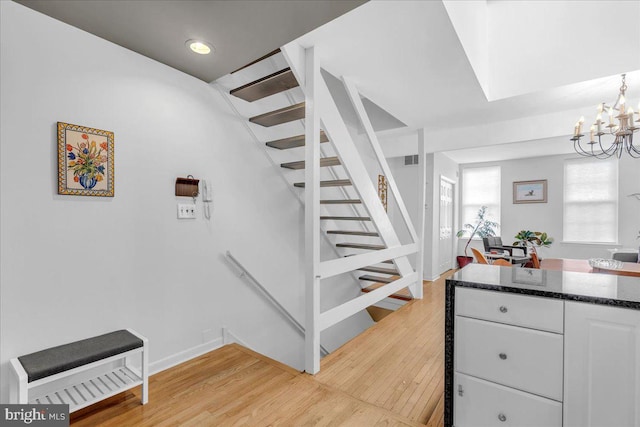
(454, 211)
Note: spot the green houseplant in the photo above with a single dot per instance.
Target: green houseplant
(482, 228)
(533, 239)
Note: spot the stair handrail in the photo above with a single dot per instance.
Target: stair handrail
(283, 311)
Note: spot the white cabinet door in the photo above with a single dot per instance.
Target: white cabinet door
(602, 366)
(480, 403)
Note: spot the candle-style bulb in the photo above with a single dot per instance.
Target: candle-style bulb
(600, 108)
(611, 116)
(581, 120)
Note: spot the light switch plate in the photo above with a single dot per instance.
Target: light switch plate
(186, 211)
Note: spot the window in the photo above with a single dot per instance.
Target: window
(591, 201)
(480, 187)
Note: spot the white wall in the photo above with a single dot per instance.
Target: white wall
(470, 18)
(548, 216)
(74, 267)
(408, 181)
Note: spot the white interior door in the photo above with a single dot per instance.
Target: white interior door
(445, 247)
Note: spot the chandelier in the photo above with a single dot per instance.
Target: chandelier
(622, 130)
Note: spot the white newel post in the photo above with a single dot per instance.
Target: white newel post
(422, 201)
(312, 213)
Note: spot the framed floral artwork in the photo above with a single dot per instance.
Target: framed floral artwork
(85, 161)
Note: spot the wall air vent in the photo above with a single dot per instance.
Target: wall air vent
(411, 160)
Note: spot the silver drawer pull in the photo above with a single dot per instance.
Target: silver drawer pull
(460, 391)
(503, 356)
(502, 417)
(503, 309)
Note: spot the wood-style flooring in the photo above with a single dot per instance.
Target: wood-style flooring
(391, 375)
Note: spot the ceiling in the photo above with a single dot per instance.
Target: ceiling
(240, 30)
(410, 58)
(410, 61)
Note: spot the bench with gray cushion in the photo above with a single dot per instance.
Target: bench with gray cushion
(98, 368)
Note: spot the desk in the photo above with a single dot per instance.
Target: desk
(511, 259)
(582, 266)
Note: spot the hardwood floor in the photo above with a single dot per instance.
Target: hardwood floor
(398, 364)
(391, 375)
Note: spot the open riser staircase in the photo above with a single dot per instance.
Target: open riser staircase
(316, 151)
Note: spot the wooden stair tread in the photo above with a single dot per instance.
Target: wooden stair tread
(346, 218)
(341, 202)
(279, 116)
(293, 141)
(380, 270)
(377, 279)
(354, 233)
(273, 52)
(324, 162)
(361, 246)
(331, 183)
(266, 86)
(403, 294)
(381, 262)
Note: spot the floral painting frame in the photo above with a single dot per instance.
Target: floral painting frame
(85, 161)
(530, 191)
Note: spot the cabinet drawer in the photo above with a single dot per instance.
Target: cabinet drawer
(531, 312)
(525, 359)
(481, 403)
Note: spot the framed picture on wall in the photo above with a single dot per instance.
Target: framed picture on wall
(530, 191)
(85, 161)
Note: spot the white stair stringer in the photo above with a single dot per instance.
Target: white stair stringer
(322, 111)
(338, 133)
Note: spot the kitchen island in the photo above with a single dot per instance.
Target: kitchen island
(530, 347)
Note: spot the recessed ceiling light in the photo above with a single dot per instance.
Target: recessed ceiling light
(199, 46)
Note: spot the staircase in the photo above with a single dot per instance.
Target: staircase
(340, 198)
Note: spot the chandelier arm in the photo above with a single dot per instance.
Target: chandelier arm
(578, 148)
(622, 133)
(632, 150)
(605, 154)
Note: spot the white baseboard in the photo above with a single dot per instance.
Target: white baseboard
(227, 337)
(183, 356)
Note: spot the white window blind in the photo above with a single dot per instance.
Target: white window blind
(480, 187)
(591, 201)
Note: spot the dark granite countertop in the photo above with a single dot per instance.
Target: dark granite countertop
(607, 289)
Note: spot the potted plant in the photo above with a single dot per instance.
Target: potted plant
(482, 228)
(533, 239)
